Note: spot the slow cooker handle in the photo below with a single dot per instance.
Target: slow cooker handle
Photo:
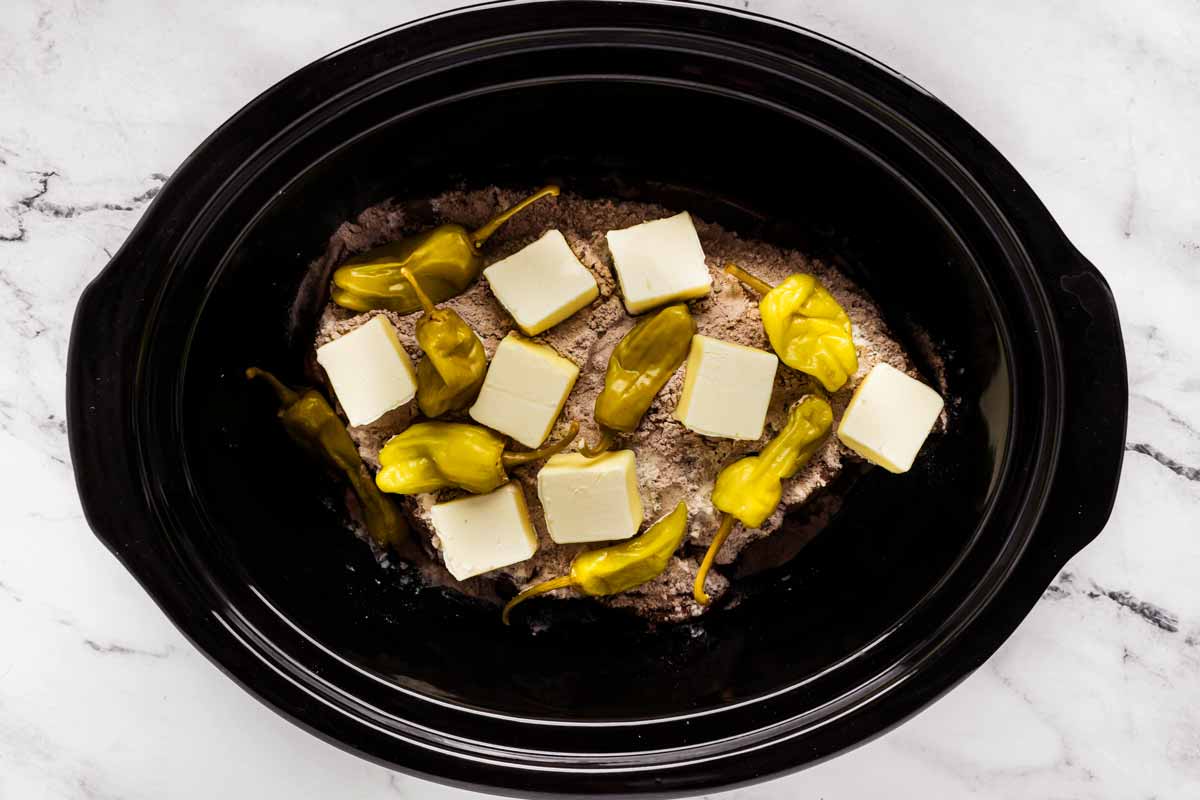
(101, 361)
(1096, 407)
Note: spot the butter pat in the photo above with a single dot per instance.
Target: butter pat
(524, 391)
(590, 499)
(484, 532)
(542, 284)
(659, 262)
(370, 370)
(727, 389)
(889, 418)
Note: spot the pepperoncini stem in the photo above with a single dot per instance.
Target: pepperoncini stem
(564, 582)
(755, 283)
(601, 446)
(510, 460)
(715, 547)
(426, 303)
(287, 396)
(488, 228)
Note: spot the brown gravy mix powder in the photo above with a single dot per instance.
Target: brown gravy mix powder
(673, 463)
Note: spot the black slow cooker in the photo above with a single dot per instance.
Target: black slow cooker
(771, 130)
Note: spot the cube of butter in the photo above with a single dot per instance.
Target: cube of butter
(370, 370)
(524, 390)
(484, 532)
(659, 262)
(590, 499)
(542, 284)
(727, 389)
(889, 417)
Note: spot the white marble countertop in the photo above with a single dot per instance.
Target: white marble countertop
(1097, 695)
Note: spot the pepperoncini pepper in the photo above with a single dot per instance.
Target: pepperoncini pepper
(446, 260)
(750, 488)
(429, 456)
(808, 330)
(454, 366)
(314, 425)
(640, 365)
(619, 567)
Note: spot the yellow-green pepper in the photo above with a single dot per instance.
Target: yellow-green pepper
(313, 424)
(446, 260)
(454, 366)
(750, 488)
(640, 365)
(807, 328)
(428, 456)
(619, 567)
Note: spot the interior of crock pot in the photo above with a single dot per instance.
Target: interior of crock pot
(793, 180)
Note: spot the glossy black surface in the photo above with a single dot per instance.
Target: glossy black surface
(769, 130)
